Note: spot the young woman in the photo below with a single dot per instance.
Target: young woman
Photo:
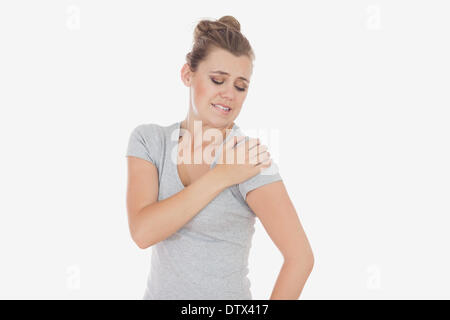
(198, 215)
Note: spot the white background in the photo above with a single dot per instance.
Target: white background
(358, 91)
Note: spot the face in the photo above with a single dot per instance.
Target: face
(220, 79)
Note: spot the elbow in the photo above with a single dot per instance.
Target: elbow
(311, 262)
(306, 260)
(141, 241)
(142, 244)
(309, 258)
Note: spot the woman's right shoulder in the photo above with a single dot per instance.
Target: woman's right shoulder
(150, 131)
(148, 127)
(147, 141)
(156, 133)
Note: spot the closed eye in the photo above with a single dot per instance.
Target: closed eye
(219, 83)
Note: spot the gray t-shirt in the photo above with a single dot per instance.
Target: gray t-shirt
(208, 257)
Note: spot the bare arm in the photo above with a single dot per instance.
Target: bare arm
(272, 205)
(153, 220)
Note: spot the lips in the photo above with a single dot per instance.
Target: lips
(220, 110)
(223, 105)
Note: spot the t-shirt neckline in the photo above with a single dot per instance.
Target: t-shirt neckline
(175, 145)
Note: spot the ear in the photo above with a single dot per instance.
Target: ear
(186, 75)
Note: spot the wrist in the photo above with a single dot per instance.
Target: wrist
(219, 178)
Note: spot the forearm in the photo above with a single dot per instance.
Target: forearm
(291, 279)
(161, 219)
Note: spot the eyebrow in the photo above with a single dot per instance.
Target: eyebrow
(226, 73)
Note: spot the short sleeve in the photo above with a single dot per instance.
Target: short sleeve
(144, 142)
(266, 176)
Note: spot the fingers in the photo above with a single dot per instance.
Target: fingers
(263, 156)
(228, 154)
(262, 148)
(253, 143)
(258, 154)
(231, 143)
(265, 164)
(247, 150)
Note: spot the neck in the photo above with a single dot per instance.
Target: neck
(200, 126)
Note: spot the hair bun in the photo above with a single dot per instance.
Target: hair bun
(231, 22)
(206, 26)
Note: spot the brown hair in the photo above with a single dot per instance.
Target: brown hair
(224, 33)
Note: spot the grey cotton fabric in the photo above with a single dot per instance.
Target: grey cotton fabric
(208, 257)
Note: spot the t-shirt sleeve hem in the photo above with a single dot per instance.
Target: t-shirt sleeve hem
(258, 181)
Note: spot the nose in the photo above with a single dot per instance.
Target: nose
(227, 93)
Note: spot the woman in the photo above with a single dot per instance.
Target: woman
(199, 215)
